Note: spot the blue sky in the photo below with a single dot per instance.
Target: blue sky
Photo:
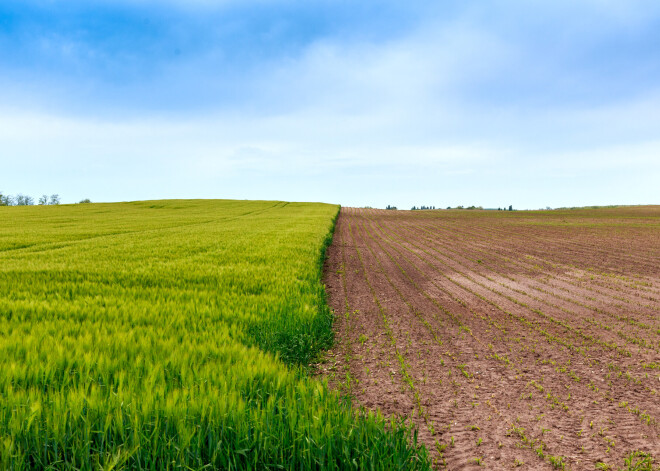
(493, 103)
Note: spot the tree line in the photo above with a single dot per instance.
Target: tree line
(418, 208)
(26, 200)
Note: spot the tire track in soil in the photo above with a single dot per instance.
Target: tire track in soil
(568, 242)
(457, 358)
(644, 336)
(642, 323)
(492, 244)
(537, 246)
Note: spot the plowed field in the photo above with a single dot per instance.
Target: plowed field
(524, 338)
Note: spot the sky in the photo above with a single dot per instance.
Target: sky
(487, 103)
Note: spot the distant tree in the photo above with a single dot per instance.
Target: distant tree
(54, 199)
(23, 200)
(86, 200)
(391, 207)
(510, 207)
(43, 200)
(448, 207)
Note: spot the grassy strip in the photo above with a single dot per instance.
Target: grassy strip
(298, 341)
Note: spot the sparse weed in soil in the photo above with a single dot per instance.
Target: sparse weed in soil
(640, 461)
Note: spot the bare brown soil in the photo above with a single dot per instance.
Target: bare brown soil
(510, 339)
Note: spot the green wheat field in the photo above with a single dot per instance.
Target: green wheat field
(175, 335)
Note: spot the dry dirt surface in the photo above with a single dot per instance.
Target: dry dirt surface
(523, 339)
